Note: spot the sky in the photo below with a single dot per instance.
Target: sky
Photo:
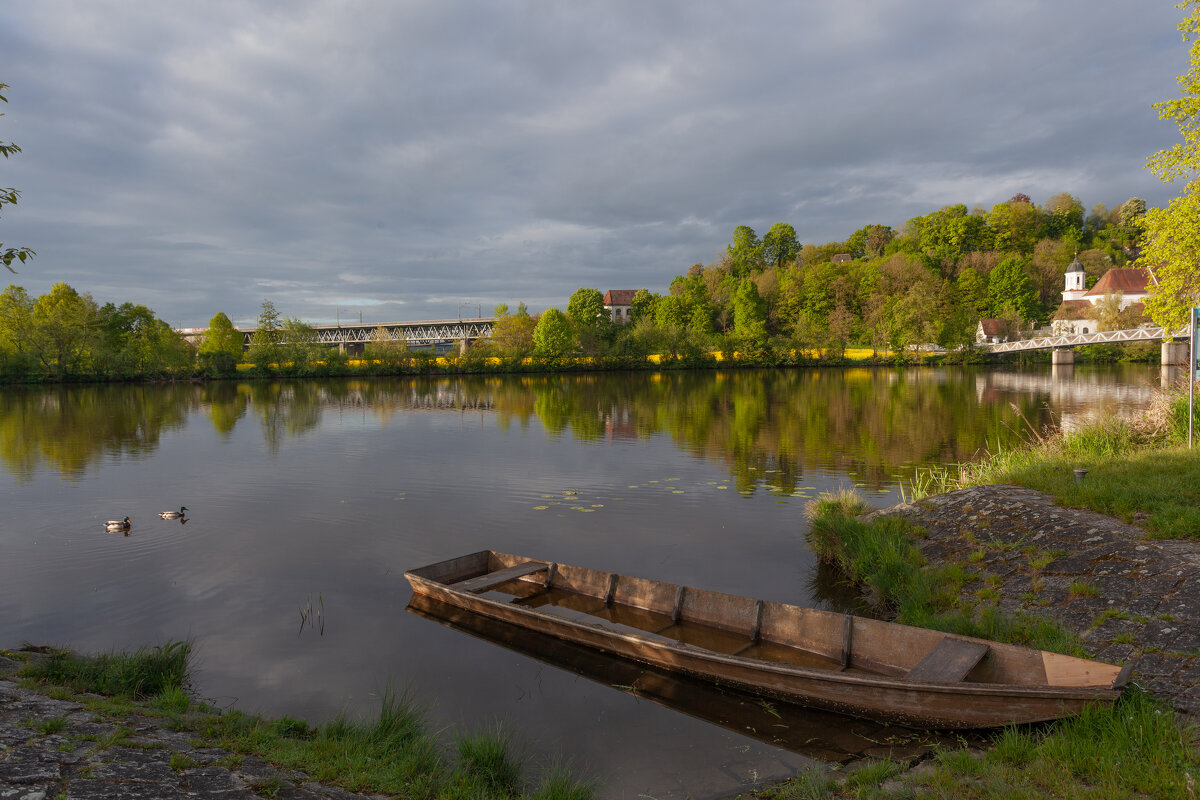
(396, 160)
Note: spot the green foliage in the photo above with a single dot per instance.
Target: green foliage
(749, 317)
(553, 335)
(144, 673)
(264, 351)
(1010, 286)
(1171, 245)
(9, 197)
(745, 252)
(592, 323)
(221, 347)
(780, 245)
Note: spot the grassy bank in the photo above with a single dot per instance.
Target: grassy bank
(1137, 470)
(396, 753)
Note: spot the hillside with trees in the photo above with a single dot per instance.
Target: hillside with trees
(928, 283)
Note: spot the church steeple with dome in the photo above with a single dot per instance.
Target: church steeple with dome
(1076, 286)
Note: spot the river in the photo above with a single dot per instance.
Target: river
(309, 499)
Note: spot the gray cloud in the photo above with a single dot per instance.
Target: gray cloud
(399, 160)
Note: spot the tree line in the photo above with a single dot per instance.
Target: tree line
(928, 283)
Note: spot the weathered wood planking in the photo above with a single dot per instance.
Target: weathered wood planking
(855, 665)
(949, 662)
(490, 580)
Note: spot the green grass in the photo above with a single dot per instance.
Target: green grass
(1139, 470)
(394, 753)
(145, 673)
(880, 557)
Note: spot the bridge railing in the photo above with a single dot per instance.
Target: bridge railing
(1100, 337)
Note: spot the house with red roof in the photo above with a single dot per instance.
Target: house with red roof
(618, 303)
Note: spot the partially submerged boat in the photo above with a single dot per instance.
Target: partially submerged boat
(849, 664)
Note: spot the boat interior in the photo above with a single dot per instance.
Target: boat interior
(764, 631)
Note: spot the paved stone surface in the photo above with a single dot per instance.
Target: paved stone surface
(1130, 598)
(54, 748)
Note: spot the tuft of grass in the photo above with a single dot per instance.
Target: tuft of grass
(811, 784)
(174, 699)
(142, 674)
(486, 759)
(51, 726)
(1080, 588)
(560, 782)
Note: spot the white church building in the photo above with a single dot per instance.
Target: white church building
(1078, 312)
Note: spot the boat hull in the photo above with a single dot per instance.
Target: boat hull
(963, 704)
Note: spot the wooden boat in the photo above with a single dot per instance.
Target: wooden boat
(853, 665)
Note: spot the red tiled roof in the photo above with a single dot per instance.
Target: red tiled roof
(1126, 280)
(992, 327)
(619, 297)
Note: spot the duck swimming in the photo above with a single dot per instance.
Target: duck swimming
(117, 524)
(173, 514)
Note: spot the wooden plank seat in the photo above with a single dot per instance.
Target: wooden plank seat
(949, 662)
(482, 583)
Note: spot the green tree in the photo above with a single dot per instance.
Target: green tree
(745, 252)
(62, 322)
(17, 353)
(9, 197)
(1064, 213)
(265, 342)
(221, 346)
(298, 345)
(591, 322)
(1010, 286)
(780, 245)
(869, 241)
(643, 305)
(553, 335)
(749, 316)
(1171, 243)
(972, 291)
(512, 334)
(134, 342)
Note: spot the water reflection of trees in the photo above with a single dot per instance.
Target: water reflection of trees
(770, 427)
(72, 428)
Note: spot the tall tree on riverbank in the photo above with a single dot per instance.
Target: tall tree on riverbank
(1171, 244)
(9, 196)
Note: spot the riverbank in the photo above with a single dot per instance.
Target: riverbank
(1009, 562)
(145, 737)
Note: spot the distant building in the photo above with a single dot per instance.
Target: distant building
(843, 258)
(618, 303)
(1078, 312)
(991, 331)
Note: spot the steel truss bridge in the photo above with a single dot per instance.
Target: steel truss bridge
(1148, 334)
(425, 332)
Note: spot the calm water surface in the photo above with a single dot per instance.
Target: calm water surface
(318, 495)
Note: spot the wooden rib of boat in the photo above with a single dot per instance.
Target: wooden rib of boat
(854, 665)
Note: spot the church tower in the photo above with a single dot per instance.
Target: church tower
(1076, 281)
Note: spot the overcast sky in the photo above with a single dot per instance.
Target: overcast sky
(405, 160)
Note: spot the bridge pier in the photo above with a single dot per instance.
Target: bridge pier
(1174, 353)
(1062, 357)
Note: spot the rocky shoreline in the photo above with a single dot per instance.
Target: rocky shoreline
(52, 749)
(1131, 599)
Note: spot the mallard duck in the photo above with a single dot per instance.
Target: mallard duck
(173, 514)
(117, 524)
